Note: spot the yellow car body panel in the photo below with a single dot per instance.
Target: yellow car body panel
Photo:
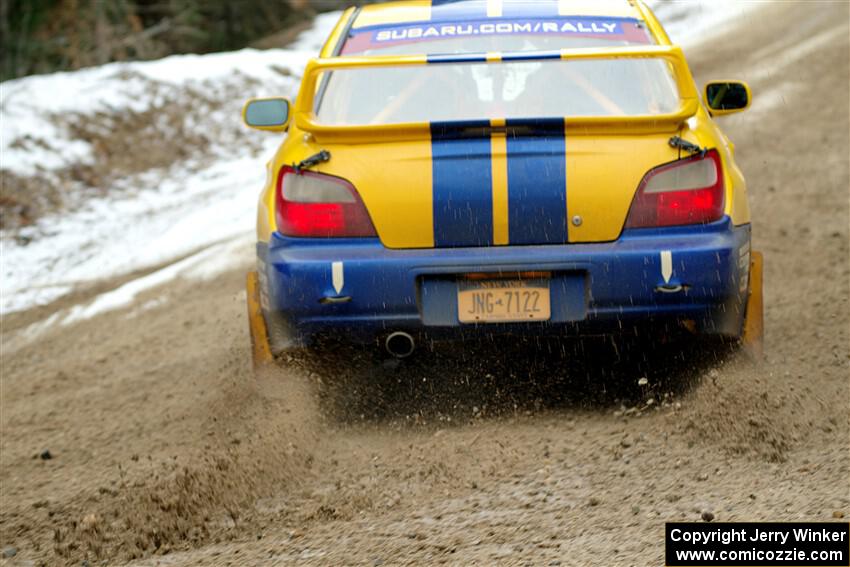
(589, 164)
(403, 211)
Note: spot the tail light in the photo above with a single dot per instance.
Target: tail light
(310, 204)
(688, 191)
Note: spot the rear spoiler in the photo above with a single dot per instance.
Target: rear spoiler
(306, 119)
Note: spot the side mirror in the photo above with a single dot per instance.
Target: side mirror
(726, 97)
(270, 114)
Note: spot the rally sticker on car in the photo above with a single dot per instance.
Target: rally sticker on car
(381, 36)
(502, 27)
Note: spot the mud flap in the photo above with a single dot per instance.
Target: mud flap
(261, 353)
(753, 336)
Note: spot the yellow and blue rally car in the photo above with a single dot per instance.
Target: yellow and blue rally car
(481, 166)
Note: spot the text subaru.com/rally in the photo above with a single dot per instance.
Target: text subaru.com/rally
(462, 168)
(527, 26)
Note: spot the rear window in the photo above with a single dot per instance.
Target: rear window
(501, 35)
(540, 88)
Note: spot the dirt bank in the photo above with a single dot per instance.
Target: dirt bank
(167, 451)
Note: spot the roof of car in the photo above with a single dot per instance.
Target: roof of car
(406, 11)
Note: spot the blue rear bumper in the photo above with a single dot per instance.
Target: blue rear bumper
(594, 287)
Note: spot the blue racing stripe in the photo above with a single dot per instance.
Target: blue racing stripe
(537, 181)
(462, 183)
(531, 56)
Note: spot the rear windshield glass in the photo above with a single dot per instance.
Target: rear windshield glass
(510, 89)
(501, 35)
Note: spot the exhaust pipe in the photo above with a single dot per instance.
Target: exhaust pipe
(400, 344)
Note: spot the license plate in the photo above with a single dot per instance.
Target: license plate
(502, 301)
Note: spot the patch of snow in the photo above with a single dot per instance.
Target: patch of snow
(31, 141)
(147, 306)
(205, 264)
(774, 98)
(776, 62)
(179, 213)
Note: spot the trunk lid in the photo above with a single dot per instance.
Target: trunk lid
(475, 187)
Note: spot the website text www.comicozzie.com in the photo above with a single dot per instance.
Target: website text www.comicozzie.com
(688, 556)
